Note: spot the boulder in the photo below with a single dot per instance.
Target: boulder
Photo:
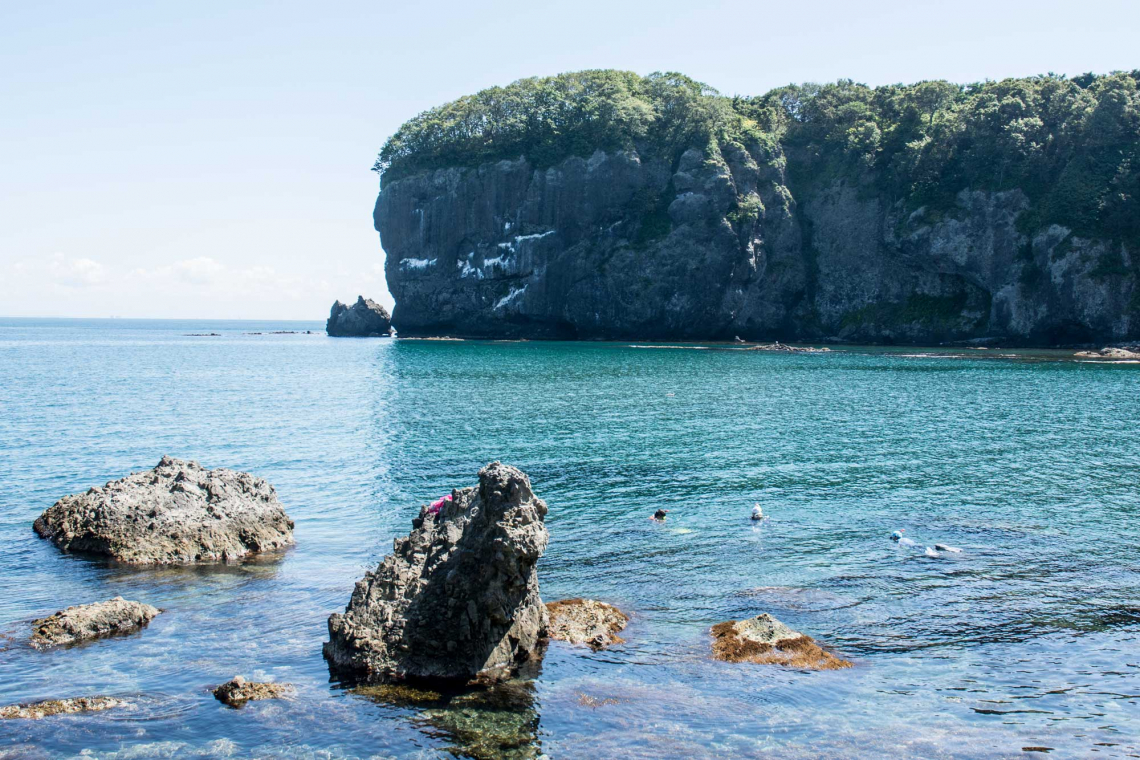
(458, 597)
(363, 319)
(765, 640)
(177, 513)
(238, 691)
(91, 621)
(585, 621)
(37, 710)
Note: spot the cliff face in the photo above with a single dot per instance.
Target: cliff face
(717, 246)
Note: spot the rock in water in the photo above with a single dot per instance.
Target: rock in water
(177, 513)
(37, 710)
(363, 319)
(90, 621)
(765, 640)
(585, 621)
(458, 597)
(238, 691)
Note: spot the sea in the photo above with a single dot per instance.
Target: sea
(1025, 643)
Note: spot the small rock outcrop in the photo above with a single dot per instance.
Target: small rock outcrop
(91, 621)
(238, 691)
(458, 597)
(1112, 353)
(177, 513)
(37, 710)
(765, 640)
(363, 319)
(585, 621)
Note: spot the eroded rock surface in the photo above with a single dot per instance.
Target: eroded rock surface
(458, 597)
(765, 640)
(363, 319)
(37, 710)
(238, 691)
(90, 621)
(177, 513)
(585, 621)
(1112, 353)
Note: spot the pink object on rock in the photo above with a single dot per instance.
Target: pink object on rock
(438, 504)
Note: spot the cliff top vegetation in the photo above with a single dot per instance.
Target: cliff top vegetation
(1071, 144)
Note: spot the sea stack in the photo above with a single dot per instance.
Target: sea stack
(364, 319)
(177, 513)
(457, 599)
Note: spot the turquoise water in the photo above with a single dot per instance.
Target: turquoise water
(1029, 637)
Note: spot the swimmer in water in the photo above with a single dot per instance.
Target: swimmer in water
(897, 535)
(757, 512)
(659, 515)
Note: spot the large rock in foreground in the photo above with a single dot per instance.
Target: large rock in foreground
(177, 513)
(363, 319)
(90, 621)
(585, 621)
(765, 640)
(458, 597)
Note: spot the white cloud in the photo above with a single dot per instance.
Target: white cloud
(72, 272)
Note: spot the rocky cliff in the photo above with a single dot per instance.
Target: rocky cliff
(748, 237)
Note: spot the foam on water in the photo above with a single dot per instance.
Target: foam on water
(1028, 637)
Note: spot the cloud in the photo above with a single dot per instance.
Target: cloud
(208, 276)
(73, 272)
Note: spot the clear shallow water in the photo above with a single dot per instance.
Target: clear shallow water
(1030, 637)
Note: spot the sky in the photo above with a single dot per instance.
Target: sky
(212, 159)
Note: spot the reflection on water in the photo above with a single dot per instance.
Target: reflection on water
(1028, 637)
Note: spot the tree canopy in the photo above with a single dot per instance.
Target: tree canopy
(1072, 145)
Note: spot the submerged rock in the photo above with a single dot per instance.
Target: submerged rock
(37, 710)
(765, 640)
(458, 597)
(177, 513)
(585, 621)
(238, 691)
(363, 319)
(90, 621)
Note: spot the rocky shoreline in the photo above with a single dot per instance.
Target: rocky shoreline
(455, 605)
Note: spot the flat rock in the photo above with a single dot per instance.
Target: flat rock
(363, 319)
(1111, 353)
(177, 513)
(458, 597)
(238, 691)
(37, 710)
(765, 640)
(586, 621)
(90, 621)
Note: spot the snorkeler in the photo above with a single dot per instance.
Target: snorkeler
(659, 515)
(757, 512)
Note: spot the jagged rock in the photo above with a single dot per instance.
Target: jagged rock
(90, 621)
(1111, 353)
(585, 621)
(37, 710)
(238, 691)
(363, 319)
(458, 597)
(177, 513)
(765, 640)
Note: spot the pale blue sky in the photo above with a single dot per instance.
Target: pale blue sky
(211, 159)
